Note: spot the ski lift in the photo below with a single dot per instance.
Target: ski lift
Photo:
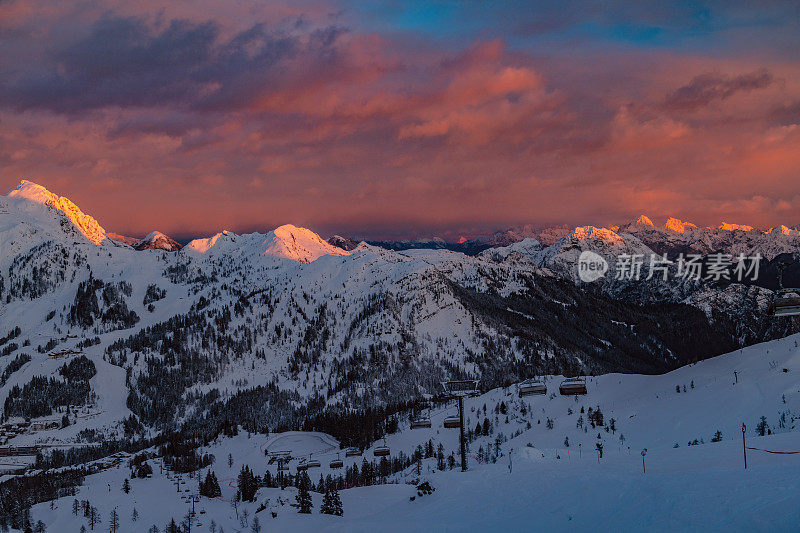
(421, 422)
(337, 463)
(571, 386)
(452, 422)
(352, 452)
(313, 464)
(785, 302)
(282, 455)
(531, 387)
(284, 466)
(381, 451)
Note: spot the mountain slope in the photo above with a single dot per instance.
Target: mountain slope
(34, 193)
(295, 326)
(535, 465)
(157, 241)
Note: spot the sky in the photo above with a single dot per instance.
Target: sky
(403, 119)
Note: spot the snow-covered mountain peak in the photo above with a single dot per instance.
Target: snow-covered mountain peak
(343, 243)
(299, 244)
(582, 233)
(783, 230)
(33, 192)
(287, 242)
(156, 240)
(643, 221)
(529, 247)
(732, 227)
(203, 245)
(679, 226)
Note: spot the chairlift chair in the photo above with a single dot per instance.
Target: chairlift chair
(337, 463)
(572, 386)
(421, 422)
(531, 387)
(352, 452)
(452, 422)
(381, 451)
(785, 302)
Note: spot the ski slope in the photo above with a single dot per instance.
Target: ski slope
(536, 483)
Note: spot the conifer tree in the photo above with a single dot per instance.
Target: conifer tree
(303, 495)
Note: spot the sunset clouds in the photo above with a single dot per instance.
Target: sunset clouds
(402, 119)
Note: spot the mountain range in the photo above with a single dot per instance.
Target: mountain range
(280, 326)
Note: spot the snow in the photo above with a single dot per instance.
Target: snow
(550, 487)
(302, 443)
(36, 193)
(583, 233)
(552, 493)
(528, 247)
(298, 244)
(287, 242)
(678, 226)
(733, 227)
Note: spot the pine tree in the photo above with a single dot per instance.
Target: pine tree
(303, 495)
(336, 503)
(126, 486)
(255, 527)
(762, 426)
(210, 487)
(248, 486)
(327, 503)
(113, 521)
(134, 515)
(94, 517)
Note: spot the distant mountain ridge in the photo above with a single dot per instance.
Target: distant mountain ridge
(294, 322)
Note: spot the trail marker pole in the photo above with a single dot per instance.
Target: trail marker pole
(461, 431)
(580, 451)
(644, 452)
(744, 446)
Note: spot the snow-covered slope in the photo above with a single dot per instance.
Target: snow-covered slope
(537, 467)
(157, 241)
(287, 242)
(31, 192)
(529, 248)
(290, 312)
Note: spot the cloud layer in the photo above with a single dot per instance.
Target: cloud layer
(402, 119)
